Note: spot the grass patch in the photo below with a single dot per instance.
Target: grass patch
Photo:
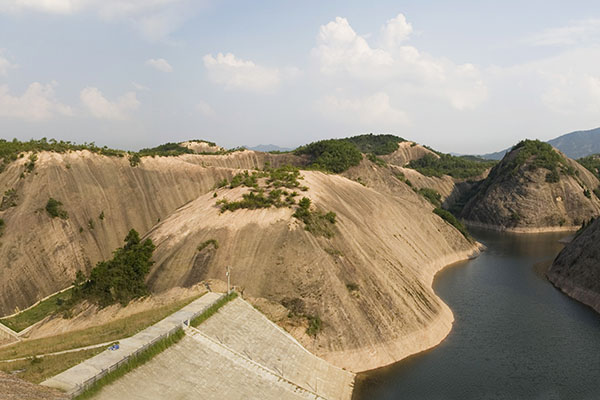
(210, 311)
(134, 362)
(29, 317)
(111, 331)
(38, 369)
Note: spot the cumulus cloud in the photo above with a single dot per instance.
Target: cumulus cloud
(372, 111)
(154, 19)
(37, 103)
(160, 64)
(5, 64)
(139, 87)
(578, 32)
(235, 73)
(102, 108)
(343, 54)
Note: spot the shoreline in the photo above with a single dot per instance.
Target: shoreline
(581, 295)
(522, 230)
(384, 354)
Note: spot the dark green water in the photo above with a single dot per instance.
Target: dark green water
(515, 336)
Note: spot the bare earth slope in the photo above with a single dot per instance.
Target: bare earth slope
(12, 388)
(522, 200)
(40, 255)
(390, 247)
(576, 269)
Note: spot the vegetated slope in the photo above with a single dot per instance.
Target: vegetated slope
(534, 188)
(576, 269)
(361, 298)
(98, 199)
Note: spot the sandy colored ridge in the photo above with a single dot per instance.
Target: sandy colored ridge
(388, 244)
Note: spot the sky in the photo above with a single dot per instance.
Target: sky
(462, 76)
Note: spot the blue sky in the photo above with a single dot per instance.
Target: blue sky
(462, 76)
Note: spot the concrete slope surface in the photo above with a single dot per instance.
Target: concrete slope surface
(235, 354)
(370, 284)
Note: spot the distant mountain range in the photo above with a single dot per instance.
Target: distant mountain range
(268, 147)
(574, 145)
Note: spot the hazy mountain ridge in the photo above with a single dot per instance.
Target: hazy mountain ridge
(574, 145)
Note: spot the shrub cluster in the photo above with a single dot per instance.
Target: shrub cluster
(591, 163)
(207, 243)
(378, 145)
(333, 155)
(446, 164)
(538, 154)
(315, 222)
(120, 279)
(54, 209)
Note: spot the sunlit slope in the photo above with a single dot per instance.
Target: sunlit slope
(370, 283)
(103, 197)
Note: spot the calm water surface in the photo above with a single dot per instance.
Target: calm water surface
(515, 336)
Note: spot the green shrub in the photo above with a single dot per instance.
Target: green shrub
(446, 164)
(315, 325)
(9, 199)
(2, 226)
(591, 163)
(208, 242)
(451, 219)
(134, 159)
(31, 164)
(316, 222)
(119, 279)
(431, 195)
(54, 209)
(587, 193)
(333, 155)
(352, 287)
(378, 145)
(374, 159)
(553, 176)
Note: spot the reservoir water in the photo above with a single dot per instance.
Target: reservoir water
(515, 336)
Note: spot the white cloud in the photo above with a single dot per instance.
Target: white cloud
(344, 55)
(396, 31)
(139, 87)
(373, 111)
(5, 64)
(102, 108)
(235, 73)
(160, 64)
(37, 103)
(205, 109)
(578, 32)
(154, 19)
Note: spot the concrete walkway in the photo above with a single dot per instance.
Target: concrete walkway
(235, 354)
(75, 379)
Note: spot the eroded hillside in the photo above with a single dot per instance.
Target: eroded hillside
(369, 284)
(103, 198)
(576, 269)
(534, 188)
